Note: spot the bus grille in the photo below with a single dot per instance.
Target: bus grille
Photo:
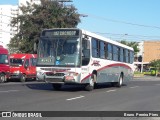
(56, 74)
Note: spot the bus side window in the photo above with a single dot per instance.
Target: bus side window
(110, 52)
(124, 55)
(115, 53)
(126, 51)
(121, 55)
(85, 52)
(102, 49)
(128, 56)
(131, 57)
(95, 48)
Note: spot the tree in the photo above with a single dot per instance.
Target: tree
(134, 45)
(156, 64)
(35, 18)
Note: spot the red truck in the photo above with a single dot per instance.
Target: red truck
(23, 66)
(4, 64)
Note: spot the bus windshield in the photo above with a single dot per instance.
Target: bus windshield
(59, 51)
(16, 62)
(3, 59)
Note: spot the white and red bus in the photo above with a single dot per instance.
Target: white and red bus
(76, 56)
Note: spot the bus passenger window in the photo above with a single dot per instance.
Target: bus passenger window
(124, 55)
(95, 48)
(118, 53)
(115, 53)
(102, 50)
(131, 57)
(110, 52)
(121, 55)
(126, 51)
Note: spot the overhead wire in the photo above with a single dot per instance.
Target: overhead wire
(124, 22)
(127, 35)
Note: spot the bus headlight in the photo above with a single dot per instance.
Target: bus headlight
(40, 75)
(16, 72)
(71, 76)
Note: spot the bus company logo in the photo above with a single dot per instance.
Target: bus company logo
(20, 114)
(96, 63)
(6, 114)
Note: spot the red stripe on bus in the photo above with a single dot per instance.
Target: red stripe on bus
(111, 65)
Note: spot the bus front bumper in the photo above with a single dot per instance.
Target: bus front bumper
(58, 79)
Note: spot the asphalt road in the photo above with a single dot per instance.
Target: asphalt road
(141, 94)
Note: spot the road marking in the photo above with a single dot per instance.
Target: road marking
(134, 87)
(75, 98)
(111, 90)
(9, 91)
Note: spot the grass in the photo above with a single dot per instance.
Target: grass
(138, 74)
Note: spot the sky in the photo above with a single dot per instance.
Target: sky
(131, 20)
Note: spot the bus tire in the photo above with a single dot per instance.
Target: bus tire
(120, 81)
(57, 86)
(23, 78)
(2, 78)
(91, 84)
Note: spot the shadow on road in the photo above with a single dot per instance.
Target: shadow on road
(66, 88)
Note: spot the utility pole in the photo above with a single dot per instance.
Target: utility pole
(142, 58)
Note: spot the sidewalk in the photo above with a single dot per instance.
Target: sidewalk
(147, 77)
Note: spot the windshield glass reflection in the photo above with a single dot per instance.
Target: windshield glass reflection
(60, 52)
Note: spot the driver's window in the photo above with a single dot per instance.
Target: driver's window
(26, 63)
(85, 52)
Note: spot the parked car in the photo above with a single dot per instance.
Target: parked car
(150, 71)
(4, 64)
(23, 66)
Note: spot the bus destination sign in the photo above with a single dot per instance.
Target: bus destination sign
(57, 33)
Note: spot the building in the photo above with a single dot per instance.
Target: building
(149, 50)
(7, 31)
(7, 12)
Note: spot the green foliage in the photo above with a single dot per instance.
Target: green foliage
(134, 45)
(156, 64)
(34, 18)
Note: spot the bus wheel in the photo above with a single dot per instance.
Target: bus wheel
(120, 81)
(91, 84)
(2, 78)
(23, 78)
(57, 86)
